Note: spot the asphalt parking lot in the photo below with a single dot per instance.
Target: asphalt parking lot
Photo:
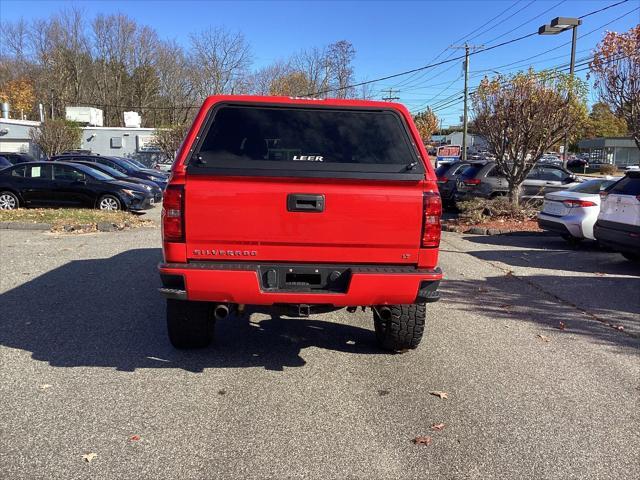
(536, 346)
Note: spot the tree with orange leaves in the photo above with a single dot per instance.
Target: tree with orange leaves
(616, 68)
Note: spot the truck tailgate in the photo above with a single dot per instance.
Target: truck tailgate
(294, 220)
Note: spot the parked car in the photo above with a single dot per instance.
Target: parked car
(152, 187)
(572, 213)
(618, 224)
(15, 158)
(484, 180)
(341, 211)
(447, 176)
(123, 166)
(61, 184)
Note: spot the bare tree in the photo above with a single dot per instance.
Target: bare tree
(340, 58)
(169, 140)
(523, 115)
(113, 37)
(220, 61)
(315, 66)
(616, 67)
(175, 88)
(56, 136)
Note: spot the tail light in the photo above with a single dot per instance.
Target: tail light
(579, 203)
(443, 179)
(432, 211)
(472, 181)
(173, 214)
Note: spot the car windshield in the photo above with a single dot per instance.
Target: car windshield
(126, 164)
(97, 174)
(107, 170)
(592, 186)
(134, 162)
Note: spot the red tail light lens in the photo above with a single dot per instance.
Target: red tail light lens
(173, 215)
(472, 181)
(578, 203)
(432, 211)
(443, 179)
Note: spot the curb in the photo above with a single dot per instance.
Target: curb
(25, 226)
(490, 231)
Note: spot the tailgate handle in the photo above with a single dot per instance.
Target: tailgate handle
(303, 202)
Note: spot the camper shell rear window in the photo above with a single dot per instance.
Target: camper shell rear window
(306, 141)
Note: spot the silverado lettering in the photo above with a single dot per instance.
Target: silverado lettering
(358, 225)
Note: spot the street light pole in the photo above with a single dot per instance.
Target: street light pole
(559, 25)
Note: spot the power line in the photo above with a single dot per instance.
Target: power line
(404, 82)
(426, 67)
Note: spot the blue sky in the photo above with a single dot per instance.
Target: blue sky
(389, 37)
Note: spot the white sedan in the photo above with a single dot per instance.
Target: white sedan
(572, 213)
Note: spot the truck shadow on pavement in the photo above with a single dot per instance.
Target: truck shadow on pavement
(108, 313)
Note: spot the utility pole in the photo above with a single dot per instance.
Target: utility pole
(465, 118)
(390, 97)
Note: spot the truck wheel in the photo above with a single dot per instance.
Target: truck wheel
(400, 327)
(190, 324)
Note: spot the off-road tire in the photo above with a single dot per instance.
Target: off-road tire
(403, 331)
(634, 257)
(189, 324)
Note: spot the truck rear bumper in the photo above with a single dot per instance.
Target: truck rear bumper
(243, 283)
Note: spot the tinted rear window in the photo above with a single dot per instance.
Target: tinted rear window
(471, 171)
(442, 169)
(304, 138)
(626, 186)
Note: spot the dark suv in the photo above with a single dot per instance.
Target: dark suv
(484, 180)
(447, 175)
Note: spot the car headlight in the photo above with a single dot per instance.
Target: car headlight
(131, 193)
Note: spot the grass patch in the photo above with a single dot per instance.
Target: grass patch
(75, 219)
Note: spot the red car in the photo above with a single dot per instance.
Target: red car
(304, 205)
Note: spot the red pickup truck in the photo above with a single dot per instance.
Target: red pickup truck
(304, 205)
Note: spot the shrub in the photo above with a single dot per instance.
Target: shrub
(479, 210)
(608, 169)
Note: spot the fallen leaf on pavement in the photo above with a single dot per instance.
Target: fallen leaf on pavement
(544, 338)
(440, 394)
(423, 440)
(134, 438)
(438, 426)
(88, 457)
(562, 326)
(44, 386)
(509, 273)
